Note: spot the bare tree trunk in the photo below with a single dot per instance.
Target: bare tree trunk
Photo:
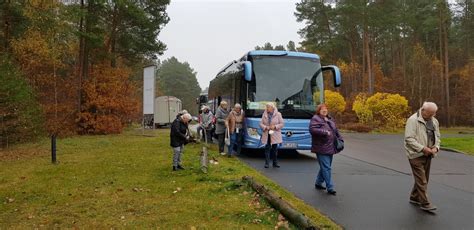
(88, 24)
(420, 81)
(6, 22)
(471, 88)
(412, 95)
(81, 58)
(364, 66)
(404, 67)
(113, 35)
(446, 62)
(369, 63)
(432, 77)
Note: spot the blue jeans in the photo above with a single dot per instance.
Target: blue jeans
(235, 143)
(324, 174)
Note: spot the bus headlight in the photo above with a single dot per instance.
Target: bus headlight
(252, 132)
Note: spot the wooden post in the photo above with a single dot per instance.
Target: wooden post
(203, 159)
(53, 149)
(293, 215)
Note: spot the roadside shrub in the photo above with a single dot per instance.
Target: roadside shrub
(389, 110)
(383, 110)
(335, 101)
(360, 107)
(109, 101)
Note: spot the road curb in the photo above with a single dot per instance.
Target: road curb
(453, 150)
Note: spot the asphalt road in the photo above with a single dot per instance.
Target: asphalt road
(373, 181)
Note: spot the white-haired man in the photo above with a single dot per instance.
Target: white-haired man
(179, 136)
(422, 142)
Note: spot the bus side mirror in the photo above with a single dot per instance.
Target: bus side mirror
(336, 73)
(248, 71)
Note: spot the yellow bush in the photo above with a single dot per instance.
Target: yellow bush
(362, 110)
(389, 110)
(317, 97)
(335, 101)
(382, 110)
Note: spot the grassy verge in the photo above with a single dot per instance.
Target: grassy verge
(443, 130)
(119, 181)
(464, 144)
(457, 130)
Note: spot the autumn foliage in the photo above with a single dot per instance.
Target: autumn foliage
(75, 67)
(42, 63)
(335, 101)
(109, 101)
(384, 110)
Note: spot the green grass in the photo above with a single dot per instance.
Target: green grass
(443, 130)
(464, 144)
(457, 130)
(125, 181)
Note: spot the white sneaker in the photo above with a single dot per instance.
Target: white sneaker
(222, 153)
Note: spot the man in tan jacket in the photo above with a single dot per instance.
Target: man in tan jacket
(422, 142)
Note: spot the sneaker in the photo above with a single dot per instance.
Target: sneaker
(180, 167)
(332, 192)
(175, 168)
(414, 202)
(276, 166)
(320, 187)
(223, 153)
(428, 207)
(266, 165)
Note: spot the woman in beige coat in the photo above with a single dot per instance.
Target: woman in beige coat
(271, 124)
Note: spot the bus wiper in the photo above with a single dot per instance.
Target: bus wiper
(297, 110)
(308, 112)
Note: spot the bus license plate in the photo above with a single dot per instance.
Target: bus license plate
(290, 145)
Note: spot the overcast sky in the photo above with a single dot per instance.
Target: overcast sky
(208, 34)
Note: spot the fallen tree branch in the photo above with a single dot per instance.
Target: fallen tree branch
(293, 215)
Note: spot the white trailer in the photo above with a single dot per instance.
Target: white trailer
(166, 110)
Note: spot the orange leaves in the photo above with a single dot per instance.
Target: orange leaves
(34, 53)
(109, 100)
(40, 60)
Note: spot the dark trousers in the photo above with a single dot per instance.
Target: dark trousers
(271, 151)
(221, 139)
(421, 173)
(208, 135)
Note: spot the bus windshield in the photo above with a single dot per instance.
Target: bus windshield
(294, 84)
